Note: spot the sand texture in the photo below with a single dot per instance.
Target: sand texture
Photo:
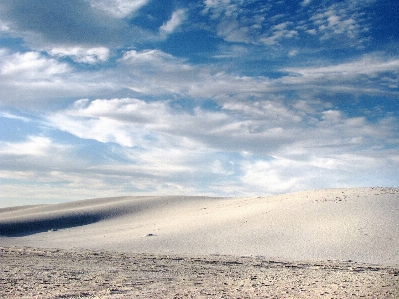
(339, 224)
(333, 243)
(40, 273)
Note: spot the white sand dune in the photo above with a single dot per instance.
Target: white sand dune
(359, 224)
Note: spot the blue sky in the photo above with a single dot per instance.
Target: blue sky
(218, 97)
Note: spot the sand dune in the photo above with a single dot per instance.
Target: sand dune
(339, 224)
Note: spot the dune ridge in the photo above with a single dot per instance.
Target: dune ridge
(359, 224)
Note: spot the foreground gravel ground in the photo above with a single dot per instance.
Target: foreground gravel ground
(53, 273)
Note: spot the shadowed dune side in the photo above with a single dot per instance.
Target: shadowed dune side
(51, 223)
(27, 220)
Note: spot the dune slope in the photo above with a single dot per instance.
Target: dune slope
(338, 224)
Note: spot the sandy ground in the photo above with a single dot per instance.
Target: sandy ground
(339, 224)
(54, 273)
(294, 245)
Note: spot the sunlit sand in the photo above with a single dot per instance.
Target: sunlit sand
(344, 227)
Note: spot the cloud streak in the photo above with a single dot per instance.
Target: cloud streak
(118, 8)
(175, 21)
(85, 55)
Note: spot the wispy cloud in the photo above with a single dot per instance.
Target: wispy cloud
(282, 148)
(124, 121)
(368, 65)
(375, 73)
(14, 116)
(221, 97)
(279, 32)
(175, 21)
(344, 22)
(40, 79)
(79, 54)
(35, 146)
(257, 147)
(118, 8)
(341, 19)
(262, 127)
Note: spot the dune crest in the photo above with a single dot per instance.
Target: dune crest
(360, 224)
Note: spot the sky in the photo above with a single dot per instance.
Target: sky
(234, 98)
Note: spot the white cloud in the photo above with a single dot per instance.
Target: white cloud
(47, 170)
(341, 19)
(175, 21)
(127, 122)
(232, 51)
(40, 79)
(14, 116)
(218, 7)
(118, 8)
(277, 33)
(147, 116)
(273, 111)
(45, 185)
(155, 60)
(4, 26)
(103, 130)
(157, 72)
(235, 22)
(269, 176)
(30, 65)
(234, 32)
(344, 22)
(153, 72)
(281, 175)
(148, 147)
(35, 146)
(262, 128)
(312, 31)
(79, 54)
(364, 66)
(366, 75)
(127, 110)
